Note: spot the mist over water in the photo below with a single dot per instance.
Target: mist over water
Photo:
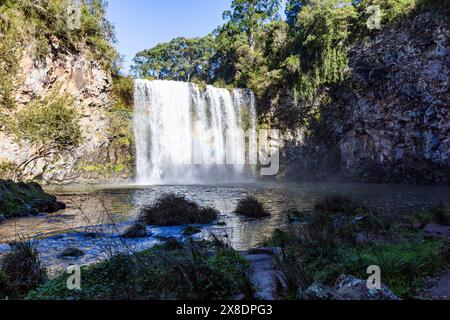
(186, 135)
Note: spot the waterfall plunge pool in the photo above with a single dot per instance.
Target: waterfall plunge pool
(91, 209)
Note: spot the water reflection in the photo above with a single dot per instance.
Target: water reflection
(101, 205)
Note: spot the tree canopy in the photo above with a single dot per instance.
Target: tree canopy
(181, 59)
(298, 59)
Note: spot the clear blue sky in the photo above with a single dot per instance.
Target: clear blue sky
(141, 24)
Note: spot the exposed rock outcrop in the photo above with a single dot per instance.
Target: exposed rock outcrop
(105, 151)
(347, 288)
(391, 121)
(20, 199)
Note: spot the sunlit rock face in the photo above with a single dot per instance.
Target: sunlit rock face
(77, 74)
(188, 135)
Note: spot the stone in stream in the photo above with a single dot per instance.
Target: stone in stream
(137, 230)
(72, 253)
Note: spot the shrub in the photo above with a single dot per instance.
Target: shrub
(123, 92)
(5, 287)
(173, 209)
(7, 169)
(50, 125)
(404, 264)
(252, 208)
(439, 214)
(339, 204)
(195, 271)
(23, 268)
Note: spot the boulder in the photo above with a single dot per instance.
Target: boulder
(352, 288)
(347, 288)
(72, 253)
(137, 230)
(319, 291)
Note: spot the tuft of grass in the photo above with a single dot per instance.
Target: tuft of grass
(193, 271)
(439, 215)
(403, 265)
(22, 268)
(335, 204)
(252, 208)
(173, 210)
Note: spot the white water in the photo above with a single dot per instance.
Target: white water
(184, 135)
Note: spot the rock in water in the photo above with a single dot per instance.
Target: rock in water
(72, 253)
(21, 200)
(137, 230)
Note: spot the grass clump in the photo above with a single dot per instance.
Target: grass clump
(173, 210)
(439, 215)
(404, 264)
(252, 208)
(327, 247)
(194, 271)
(22, 269)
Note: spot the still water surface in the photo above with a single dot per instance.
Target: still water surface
(90, 206)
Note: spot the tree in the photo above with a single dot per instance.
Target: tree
(247, 16)
(181, 59)
(293, 7)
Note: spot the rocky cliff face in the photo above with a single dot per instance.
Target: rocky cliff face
(391, 121)
(101, 154)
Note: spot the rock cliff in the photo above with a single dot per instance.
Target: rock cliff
(105, 151)
(391, 121)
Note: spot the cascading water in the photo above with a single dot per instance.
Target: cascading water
(184, 135)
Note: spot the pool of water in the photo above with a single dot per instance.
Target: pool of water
(89, 207)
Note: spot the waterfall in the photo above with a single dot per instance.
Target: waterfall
(188, 135)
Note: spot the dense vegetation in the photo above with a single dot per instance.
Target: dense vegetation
(194, 271)
(38, 22)
(49, 125)
(291, 65)
(343, 237)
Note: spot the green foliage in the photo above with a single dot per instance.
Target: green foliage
(173, 209)
(325, 246)
(197, 271)
(20, 199)
(321, 40)
(391, 10)
(35, 22)
(6, 168)
(181, 59)
(50, 125)
(22, 268)
(123, 93)
(5, 287)
(404, 265)
(439, 214)
(252, 208)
